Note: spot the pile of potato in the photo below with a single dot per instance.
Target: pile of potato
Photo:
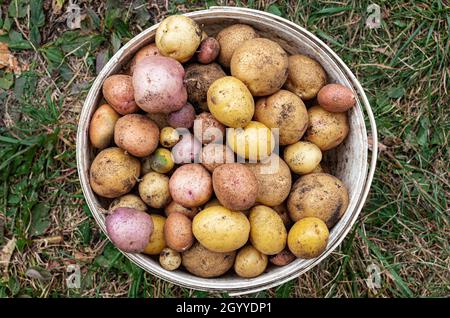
(176, 186)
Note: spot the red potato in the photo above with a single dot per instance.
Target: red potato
(187, 150)
(208, 50)
(146, 51)
(174, 207)
(208, 129)
(283, 258)
(183, 118)
(158, 85)
(119, 93)
(336, 98)
(178, 232)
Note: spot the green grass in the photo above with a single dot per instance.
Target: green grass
(404, 228)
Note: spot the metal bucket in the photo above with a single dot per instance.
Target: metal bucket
(349, 161)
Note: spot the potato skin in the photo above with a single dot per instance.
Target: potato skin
(214, 155)
(326, 130)
(208, 129)
(267, 231)
(287, 112)
(169, 137)
(154, 190)
(113, 173)
(302, 157)
(235, 186)
(306, 76)
(261, 64)
(169, 259)
(178, 232)
(131, 201)
(208, 51)
(101, 128)
(157, 242)
(146, 51)
(283, 258)
(174, 207)
(231, 38)
(308, 238)
(119, 93)
(336, 98)
(137, 134)
(182, 118)
(319, 195)
(204, 263)
(250, 262)
(190, 185)
(221, 230)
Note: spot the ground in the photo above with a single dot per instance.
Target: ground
(45, 224)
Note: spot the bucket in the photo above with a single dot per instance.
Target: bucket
(348, 162)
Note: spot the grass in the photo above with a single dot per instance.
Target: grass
(403, 229)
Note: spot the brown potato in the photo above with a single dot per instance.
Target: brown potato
(183, 118)
(231, 38)
(208, 129)
(214, 155)
(174, 207)
(146, 51)
(137, 134)
(101, 128)
(336, 98)
(178, 232)
(160, 119)
(208, 51)
(131, 201)
(118, 92)
(154, 190)
(283, 258)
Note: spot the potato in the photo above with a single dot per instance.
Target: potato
(326, 130)
(287, 112)
(160, 161)
(204, 35)
(190, 185)
(158, 85)
(320, 195)
(183, 118)
(146, 51)
(336, 98)
(214, 155)
(261, 64)
(113, 173)
(207, 129)
(198, 79)
(154, 190)
(308, 238)
(212, 202)
(187, 150)
(101, 128)
(274, 180)
(284, 214)
(178, 37)
(169, 259)
(204, 263)
(160, 119)
(174, 207)
(221, 230)
(306, 76)
(208, 51)
(169, 137)
(129, 229)
(118, 92)
(131, 201)
(231, 38)
(267, 232)
(283, 258)
(230, 102)
(178, 232)
(255, 141)
(250, 262)
(235, 186)
(302, 157)
(157, 242)
(137, 134)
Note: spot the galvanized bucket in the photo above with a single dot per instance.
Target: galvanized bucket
(349, 161)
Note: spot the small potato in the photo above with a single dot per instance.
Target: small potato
(154, 190)
(230, 102)
(255, 141)
(119, 93)
(169, 137)
(302, 157)
(160, 161)
(157, 242)
(326, 130)
(137, 134)
(174, 207)
(235, 186)
(129, 229)
(208, 129)
(208, 51)
(146, 51)
(101, 128)
(320, 195)
(131, 201)
(169, 259)
(187, 150)
(267, 232)
(204, 263)
(183, 118)
(221, 230)
(113, 173)
(308, 238)
(212, 202)
(283, 258)
(178, 232)
(250, 262)
(336, 98)
(160, 119)
(214, 155)
(306, 76)
(190, 185)
(284, 214)
(231, 38)
(287, 112)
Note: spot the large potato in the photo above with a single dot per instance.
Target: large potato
(131, 201)
(157, 242)
(267, 231)
(287, 112)
(178, 232)
(154, 190)
(274, 180)
(178, 37)
(114, 173)
(214, 155)
(221, 230)
(187, 150)
(101, 128)
(326, 130)
(308, 238)
(250, 262)
(231, 38)
(208, 129)
(320, 195)
(137, 134)
(235, 186)
(261, 64)
(205, 263)
(302, 157)
(119, 93)
(146, 51)
(230, 102)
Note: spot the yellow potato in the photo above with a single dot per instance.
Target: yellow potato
(161, 160)
(169, 137)
(231, 38)
(101, 128)
(308, 238)
(154, 190)
(250, 262)
(170, 259)
(131, 201)
(157, 242)
(302, 157)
